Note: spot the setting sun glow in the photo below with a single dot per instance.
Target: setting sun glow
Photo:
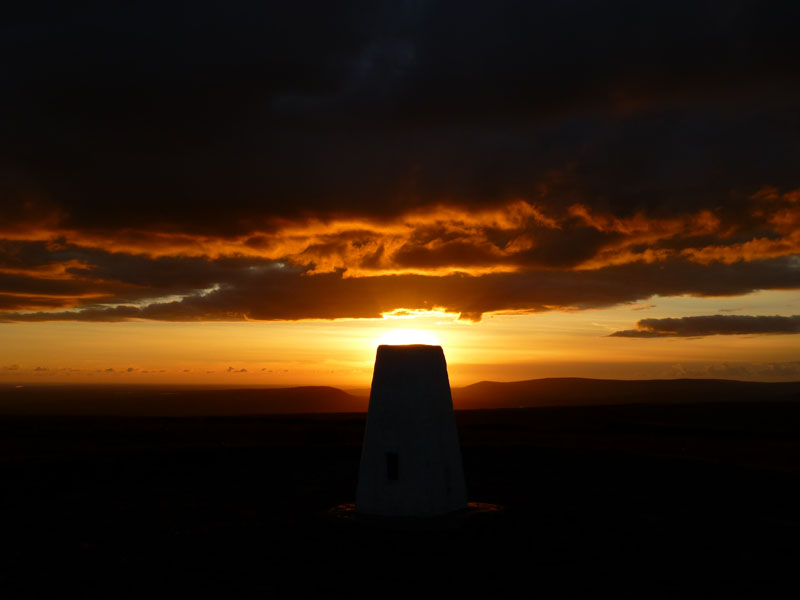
(398, 337)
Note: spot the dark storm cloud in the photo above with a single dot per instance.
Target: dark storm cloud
(214, 116)
(712, 325)
(34, 268)
(291, 294)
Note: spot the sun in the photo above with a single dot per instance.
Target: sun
(402, 337)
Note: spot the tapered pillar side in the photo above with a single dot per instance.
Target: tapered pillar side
(411, 460)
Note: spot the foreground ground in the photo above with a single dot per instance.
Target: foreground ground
(646, 501)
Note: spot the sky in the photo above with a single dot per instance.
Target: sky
(240, 193)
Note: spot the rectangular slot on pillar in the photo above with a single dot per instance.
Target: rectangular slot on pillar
(392, 466)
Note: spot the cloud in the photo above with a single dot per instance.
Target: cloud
(228, 120)
(770, 371)
(472, 156)
(113, 278)
(712, 325)
(642, 307)
(293, 294)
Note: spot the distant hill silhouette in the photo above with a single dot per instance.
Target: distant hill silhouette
(576, 391)
(175, 400)
(144, 400)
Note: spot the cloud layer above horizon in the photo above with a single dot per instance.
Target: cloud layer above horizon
(712, 325)
(317, 160)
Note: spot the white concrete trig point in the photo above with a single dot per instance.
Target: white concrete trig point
(411, 460)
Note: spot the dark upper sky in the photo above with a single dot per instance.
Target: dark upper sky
(232, 151)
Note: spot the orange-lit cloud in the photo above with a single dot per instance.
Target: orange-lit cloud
(779, 212)
(53, 270)
(518, 256)
(284, 293)
(441, 238)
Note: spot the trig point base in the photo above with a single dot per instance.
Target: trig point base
(411, 460)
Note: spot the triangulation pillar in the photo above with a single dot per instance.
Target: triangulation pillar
(411, 460)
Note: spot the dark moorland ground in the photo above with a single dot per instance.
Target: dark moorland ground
(648, 501)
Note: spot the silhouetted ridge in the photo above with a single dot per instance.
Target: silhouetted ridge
(176, 400)
(148, 400)
(577, 391)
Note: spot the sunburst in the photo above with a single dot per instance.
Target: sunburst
(402, 337)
